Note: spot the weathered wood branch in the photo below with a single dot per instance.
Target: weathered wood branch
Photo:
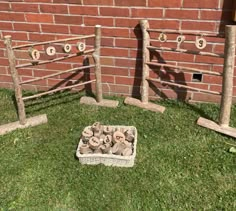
(186, 51)
(184, 68)
(229, 63)
(56, 90)
(34, 63)
(146, 57)
(96, 57)
(183, 86)
(53, 41)
(55, 74)
(15, 78)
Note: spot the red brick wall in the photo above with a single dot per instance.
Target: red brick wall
(42, 20)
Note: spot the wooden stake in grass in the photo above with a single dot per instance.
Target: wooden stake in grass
(16, 82)
(96, 56)
(228, 75)
(146, 58)
(227, 89)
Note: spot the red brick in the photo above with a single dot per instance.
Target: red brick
(128, 43)
(210, 15)
(126, 22)
(98, 2)
(4, 61)
(115, 71)
(198, 25)
(48, 28)
(82, 30)
(25, 72)
(130, 3)
(55, 8)
(206, 97)
(16, 35)
(39, 1)
(107, 42)
(114, 89)
(115, 32)
(63, 19)
(5, 78)
(82, 10)
(212, 79)
(146, 13)
(6, 26)
(213, 4)
(116, 52)
(92, 21)
(4, 6)
(181, 14)
(158, 3)
(208, 60)
(114, 12)
(164, 24)
(107, 61)
(126, 62)
(108, 79)
(39, 18)
(7, 16)
(41, 37)
(22, 7)
(175, 56)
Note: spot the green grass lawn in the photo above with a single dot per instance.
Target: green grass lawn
(178, 166)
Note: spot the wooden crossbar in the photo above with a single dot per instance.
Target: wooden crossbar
(33, 63)
(185, 51)
(55, 74)
(58, 89)
(183, 86)
(187, 32)
(54, 41)
(184, 68)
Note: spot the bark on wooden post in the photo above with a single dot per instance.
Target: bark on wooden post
(227, 89)
(15, 78)
(96, 56)
(146, 58)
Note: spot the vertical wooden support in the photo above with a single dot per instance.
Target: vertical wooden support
(228, 74)
(96, 56)
(15, 78)
(234, 11)
(146, 58)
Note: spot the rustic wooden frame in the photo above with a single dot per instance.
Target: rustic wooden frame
(33, 121)
(228, 73)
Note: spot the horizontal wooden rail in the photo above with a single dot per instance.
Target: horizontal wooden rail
(183, 86)
(58, 89)
(184, 68)
(55, 74)
(186, 51)
(187, 32)
(34, 63)
(54, 41)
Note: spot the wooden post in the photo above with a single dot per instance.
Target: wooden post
(227, 86)
(16, 82)
(146, 58)
(234, 11)
(96, 56)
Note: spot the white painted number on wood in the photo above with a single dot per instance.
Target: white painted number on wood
(35, 54)
(51, 51)
(67, 48)
(200, 43)
(180, 39)
(162, 37)
(81, 46)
